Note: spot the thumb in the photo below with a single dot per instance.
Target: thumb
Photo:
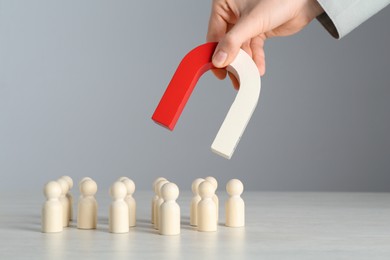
(228, 47)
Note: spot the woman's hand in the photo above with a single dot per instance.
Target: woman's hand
(247, 24)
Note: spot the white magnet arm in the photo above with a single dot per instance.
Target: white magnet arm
(236, 120)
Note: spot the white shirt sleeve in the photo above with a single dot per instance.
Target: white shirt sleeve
(342, 16)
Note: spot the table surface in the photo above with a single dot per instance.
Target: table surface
(283, 225)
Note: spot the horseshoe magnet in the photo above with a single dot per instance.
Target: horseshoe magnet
(191, 68)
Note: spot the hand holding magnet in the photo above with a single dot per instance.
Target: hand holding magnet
(191, 68)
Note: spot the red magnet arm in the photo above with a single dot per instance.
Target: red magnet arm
(190, 69)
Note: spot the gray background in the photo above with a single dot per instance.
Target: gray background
(79, 81)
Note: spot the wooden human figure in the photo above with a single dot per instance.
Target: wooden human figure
(84, 179)
(169, 210)
(64, 201)
(158, 203)
(129, 199)
(118, 220)
(52, 210)
(235, 206)
(194, 201)
(207, 219)
(81, 181)
(69, 195)
(122, 178)
(214, 181)
(155, 198)
(87, 206)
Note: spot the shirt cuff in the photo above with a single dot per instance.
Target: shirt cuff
(342, 16)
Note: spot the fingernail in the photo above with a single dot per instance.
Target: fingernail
(219, 58)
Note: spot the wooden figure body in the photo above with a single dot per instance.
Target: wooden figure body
(169, 210)
(64, 201)
(235, 206)
(194, 201)
(214, 182)
(69, 195)
(87, 206)
(52, 210)
(129, 199)
(207, 219)
(158, 203)
(154, 199)
(118, 220)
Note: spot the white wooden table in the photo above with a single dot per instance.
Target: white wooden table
(278, 226)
